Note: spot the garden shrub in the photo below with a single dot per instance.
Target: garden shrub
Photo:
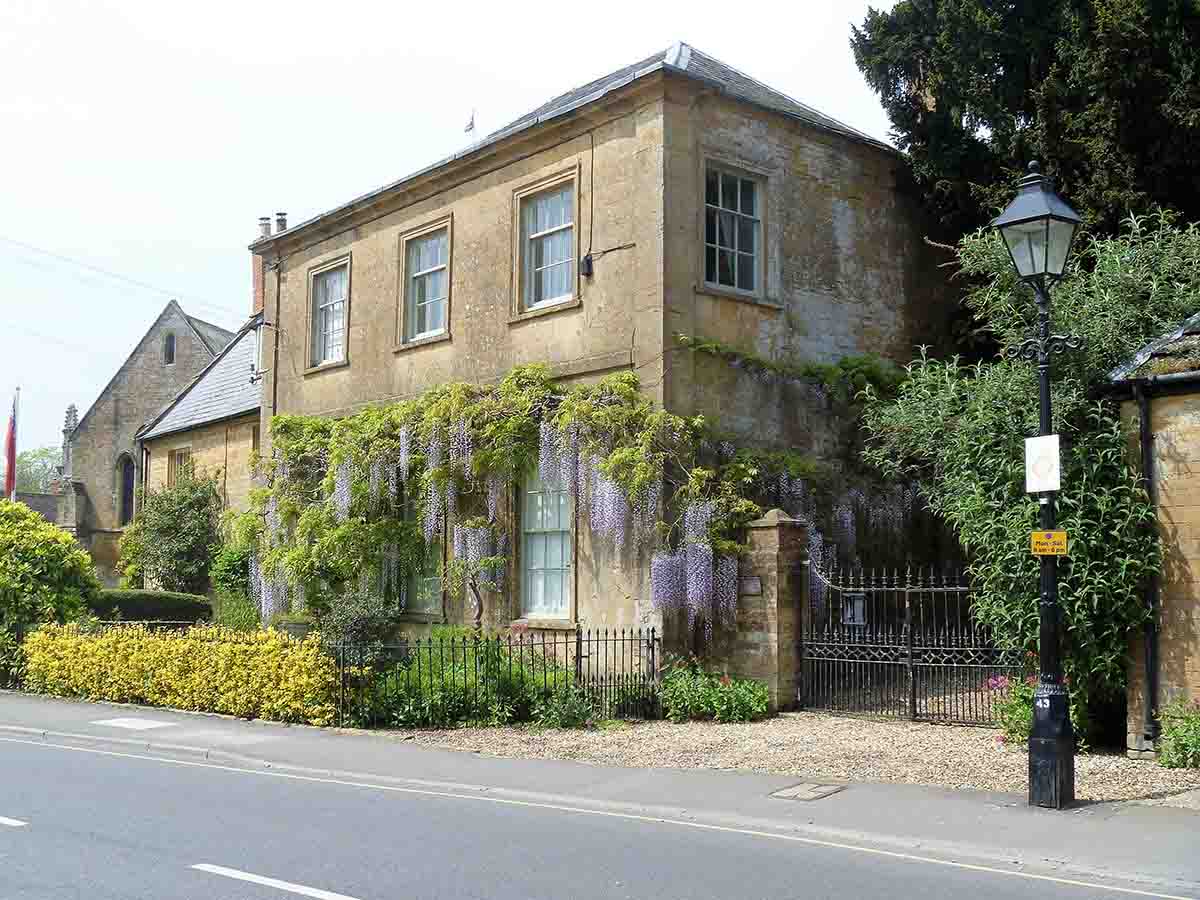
(359, 617)
(172, 540)
(235, 611)
(229, 574)
(691, 692)
(1013, 705)
(256, 675)
(150, 606)
(568, 706)
(45, 576)
(1179, 743)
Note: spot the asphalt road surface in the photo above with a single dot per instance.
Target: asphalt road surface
(86, 823)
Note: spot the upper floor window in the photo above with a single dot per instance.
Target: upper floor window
(548, 246)
(169, 349)
(330, 298)
(547, 529)
(732, 230)
(426, 284)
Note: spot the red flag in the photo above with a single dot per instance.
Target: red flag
(10, 456)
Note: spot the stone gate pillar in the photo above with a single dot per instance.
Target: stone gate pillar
(770, 595)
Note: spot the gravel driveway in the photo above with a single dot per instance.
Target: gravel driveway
(825, 747)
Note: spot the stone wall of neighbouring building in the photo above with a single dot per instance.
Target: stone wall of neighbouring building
(1175, 425)
(105, 436)
(222, 450)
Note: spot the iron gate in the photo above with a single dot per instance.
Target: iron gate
(901, 645)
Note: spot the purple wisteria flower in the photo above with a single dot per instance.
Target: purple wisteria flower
(699, 587)
(608, 513)
(696, 519)
(433, 450)
(495, 489)
(405, 452)
(341, 490)
(462, 447)
(548, 454)
(725, 591)
(433, 513)
(668, 580)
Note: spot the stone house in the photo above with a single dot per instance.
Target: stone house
(674, 196)
(101, 464)
(1160, 393)
(212, 425)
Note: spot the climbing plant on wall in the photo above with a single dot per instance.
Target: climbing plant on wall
(353, 503)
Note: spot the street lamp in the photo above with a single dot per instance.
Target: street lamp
(1038, 228)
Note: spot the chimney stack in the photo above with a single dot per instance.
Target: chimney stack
(280, 222)
(264, 226)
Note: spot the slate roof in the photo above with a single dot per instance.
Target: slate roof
(679, 58)
(220, 391)
(1174, 353)
(214, 336)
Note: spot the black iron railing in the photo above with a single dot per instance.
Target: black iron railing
(588, 674)
(904, 645)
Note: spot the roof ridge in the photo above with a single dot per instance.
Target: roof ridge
(776, 91)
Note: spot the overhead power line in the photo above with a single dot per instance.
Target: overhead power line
(117, 276)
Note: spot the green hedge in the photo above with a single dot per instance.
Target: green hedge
(151, 606)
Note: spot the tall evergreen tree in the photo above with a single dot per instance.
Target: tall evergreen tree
(1106, 93)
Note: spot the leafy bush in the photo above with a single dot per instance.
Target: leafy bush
(12, 660)
(262, 674)
(235, 611)
(1179, 743)
(150, 606)
(172, 540)
(959, 432)
(229, 573)
(1013, 705)
(566, 707)
(690, 692)
(359, 617)
(45, 576)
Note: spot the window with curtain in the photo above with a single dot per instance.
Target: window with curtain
(426, 284)
(547, 526)
(732, 230)
(329, 290)
(548, 246)
(169, 349)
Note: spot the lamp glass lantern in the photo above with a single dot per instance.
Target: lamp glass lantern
(1038, 228)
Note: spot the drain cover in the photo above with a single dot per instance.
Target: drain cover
(807, 791)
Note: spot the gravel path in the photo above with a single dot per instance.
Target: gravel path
(826, 747)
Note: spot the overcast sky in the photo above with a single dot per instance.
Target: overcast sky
(145, 138)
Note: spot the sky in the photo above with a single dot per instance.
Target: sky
(142, 139)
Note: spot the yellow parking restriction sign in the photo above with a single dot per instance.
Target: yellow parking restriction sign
(1048, 543)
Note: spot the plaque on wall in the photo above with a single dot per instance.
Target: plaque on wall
(749, 586)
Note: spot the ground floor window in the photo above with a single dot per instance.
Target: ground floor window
(547, 540)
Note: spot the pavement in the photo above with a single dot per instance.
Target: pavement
(126, 801)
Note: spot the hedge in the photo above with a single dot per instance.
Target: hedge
(151, 606)
(255, 675)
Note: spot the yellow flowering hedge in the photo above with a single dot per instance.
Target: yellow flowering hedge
(255, 675)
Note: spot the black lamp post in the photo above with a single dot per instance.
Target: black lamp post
(1038, 228)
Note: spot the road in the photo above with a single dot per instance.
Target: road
(89, 823)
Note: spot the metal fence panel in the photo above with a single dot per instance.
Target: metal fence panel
(899, 645)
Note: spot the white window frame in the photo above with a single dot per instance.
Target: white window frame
(408, 312)
(319, 336)
(758, 257)
(524, 279)
(530, 485)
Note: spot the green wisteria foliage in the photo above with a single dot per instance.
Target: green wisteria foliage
(353, 503)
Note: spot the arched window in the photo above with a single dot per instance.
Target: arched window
(127, 474)
(169, 349)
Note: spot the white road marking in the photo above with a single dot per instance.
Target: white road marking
(12, 823)
(301, 889)
(133, 724)
(583, 810)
